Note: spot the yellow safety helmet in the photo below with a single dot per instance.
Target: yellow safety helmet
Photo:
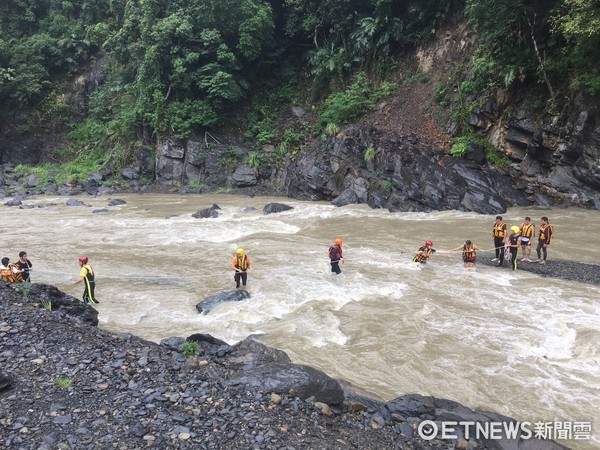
(240, 251)
(338, 241)
(515, 229)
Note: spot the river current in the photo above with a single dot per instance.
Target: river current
(510, 342)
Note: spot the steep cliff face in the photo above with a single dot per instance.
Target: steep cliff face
(553, 157)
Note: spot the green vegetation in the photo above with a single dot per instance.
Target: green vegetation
(26, 289)
(369, 154)
(63, 383)
(189, 348)
(47, 305)
(460, 146)
(179, 68)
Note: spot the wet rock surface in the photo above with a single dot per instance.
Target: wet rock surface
(582, 272)
(66, 384)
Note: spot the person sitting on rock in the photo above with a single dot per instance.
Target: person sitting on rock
(10, 273)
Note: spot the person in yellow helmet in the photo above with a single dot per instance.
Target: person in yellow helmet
(241, 265)
(513, 242)
(335, 256)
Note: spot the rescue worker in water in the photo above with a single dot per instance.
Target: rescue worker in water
(424, 252)
(469, 253)
(241, 265)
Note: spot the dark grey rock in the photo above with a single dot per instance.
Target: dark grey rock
(14, 202)
(74, 202)
(281, 378)
(206, 305)
(272, 208)
(244, 176)
(348, 197)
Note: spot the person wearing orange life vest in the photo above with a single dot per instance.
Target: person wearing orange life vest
(335, 256)
(9, 272)
(513, 242)
(469, 253)
(544, 237)
(498, 236)
(86, 275)
(241, 265)
(527, 232)
(424, 252)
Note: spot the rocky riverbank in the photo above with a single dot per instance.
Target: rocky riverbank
(582, 272)
(65, 384)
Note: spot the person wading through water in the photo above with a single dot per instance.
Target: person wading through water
(424, 252)
(86, 274)
(469, 253)
(335, 256)
(241, 265)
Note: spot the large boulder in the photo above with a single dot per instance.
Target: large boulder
(206, 305)
(63, 304)
(282, 378)
(207, 213)
(348, 197)
(272, 208)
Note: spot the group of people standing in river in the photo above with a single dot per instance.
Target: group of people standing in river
(506, 245)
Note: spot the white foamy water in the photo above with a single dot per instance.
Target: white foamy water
(511, 342)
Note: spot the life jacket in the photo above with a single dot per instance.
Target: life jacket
(422, 255)
(89, 276)
(499, 230)
(527, 230)
(546, 232)
(335, 253)
(469, 253)
(9, 275)
(241, 262)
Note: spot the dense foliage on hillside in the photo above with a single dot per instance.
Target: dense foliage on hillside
(180, 66)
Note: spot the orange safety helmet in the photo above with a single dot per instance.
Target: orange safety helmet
(338, 241)
(83, 259)
(428, 243)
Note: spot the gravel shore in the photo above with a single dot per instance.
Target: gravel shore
(65, 384)
(582, 272)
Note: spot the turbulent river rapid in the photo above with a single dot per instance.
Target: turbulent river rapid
(491, 338)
